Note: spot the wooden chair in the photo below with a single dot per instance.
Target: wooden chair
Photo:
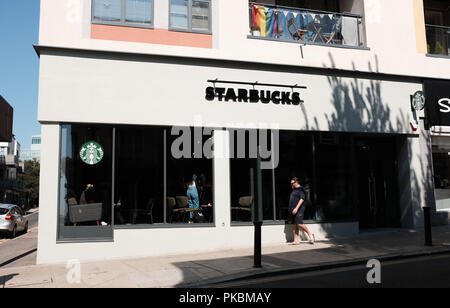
(297, 34)
(245, 205)
(173, 209)
(329, 29)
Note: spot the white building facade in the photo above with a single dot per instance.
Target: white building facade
(143, 98)
(34, 153)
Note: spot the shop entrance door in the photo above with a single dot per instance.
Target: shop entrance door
(377, 188)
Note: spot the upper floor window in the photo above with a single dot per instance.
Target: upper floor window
(437, 20)
(123, 12)
(190, 15)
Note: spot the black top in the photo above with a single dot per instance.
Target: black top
(296, 195)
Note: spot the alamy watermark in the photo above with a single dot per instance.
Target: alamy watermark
(250, 140)
(73, 275)
(374, 275)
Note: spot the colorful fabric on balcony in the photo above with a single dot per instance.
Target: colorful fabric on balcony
(266, 19)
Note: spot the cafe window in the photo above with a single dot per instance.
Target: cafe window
(137, 13)
(244, 167)
(321, 161)
(86, 183)
(130, 176)
(441, 167)
(190, 15)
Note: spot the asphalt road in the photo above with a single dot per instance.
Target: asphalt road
(423, 272)
(20, 251)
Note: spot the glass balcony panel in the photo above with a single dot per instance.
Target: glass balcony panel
(290, 24)
(438, 40)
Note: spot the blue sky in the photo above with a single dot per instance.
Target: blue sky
(19, 64)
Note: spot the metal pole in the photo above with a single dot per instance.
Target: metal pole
(427, 218)
(427, 208)
(257, 211)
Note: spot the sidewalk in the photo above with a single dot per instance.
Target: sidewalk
(208, 268)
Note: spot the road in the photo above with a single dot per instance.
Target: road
(422, 272)
(20, 251)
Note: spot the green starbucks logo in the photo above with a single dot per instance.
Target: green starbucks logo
(91, 153)
(418, 100)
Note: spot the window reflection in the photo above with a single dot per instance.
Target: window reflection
(86, 182)
(134, 175)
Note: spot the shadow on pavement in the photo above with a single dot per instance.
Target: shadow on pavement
(324, 254)
(5, 279)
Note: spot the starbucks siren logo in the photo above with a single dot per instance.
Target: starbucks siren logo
(91, 153)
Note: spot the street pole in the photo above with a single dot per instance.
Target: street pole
(427, 218)
(257, 211)
(427, 207)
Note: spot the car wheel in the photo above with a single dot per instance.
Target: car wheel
(26, 228)
(14, 232)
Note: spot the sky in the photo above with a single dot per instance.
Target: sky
(19, 65)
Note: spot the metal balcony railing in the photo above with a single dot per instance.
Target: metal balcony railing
(438, 40)
(12, 160)
(304, 25)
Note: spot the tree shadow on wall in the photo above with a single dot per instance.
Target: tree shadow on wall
(358, 106)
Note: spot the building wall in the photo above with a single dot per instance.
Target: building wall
(6, 121)
(92, 80)
(395, 38)
(76, 87)
(156, 241)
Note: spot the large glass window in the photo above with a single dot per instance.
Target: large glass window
(85, 210)
(139, 175)
(346, 177)
(243, 174)
(123, 12)
(189, 175)
(441, 167)
(190, 15)
(127, 176)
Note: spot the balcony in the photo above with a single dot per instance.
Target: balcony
(305, 26)
(9, 160)
(438, 40)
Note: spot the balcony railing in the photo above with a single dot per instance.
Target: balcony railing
(304, 25)
(438, 40)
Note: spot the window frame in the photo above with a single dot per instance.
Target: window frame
(123, 22)
(189, 28)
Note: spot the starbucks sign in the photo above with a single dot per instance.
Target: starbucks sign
(91, 153)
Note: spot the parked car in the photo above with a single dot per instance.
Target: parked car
(12, 219)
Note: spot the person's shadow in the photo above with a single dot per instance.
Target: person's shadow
(6, 278)
(288, 233)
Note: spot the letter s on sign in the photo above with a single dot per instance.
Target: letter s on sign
(210, 94)
(445, 104)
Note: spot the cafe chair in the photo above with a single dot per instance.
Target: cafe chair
(172, 209)
(296, 34)
(84, 212)
(329, 29)
(244, 205)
